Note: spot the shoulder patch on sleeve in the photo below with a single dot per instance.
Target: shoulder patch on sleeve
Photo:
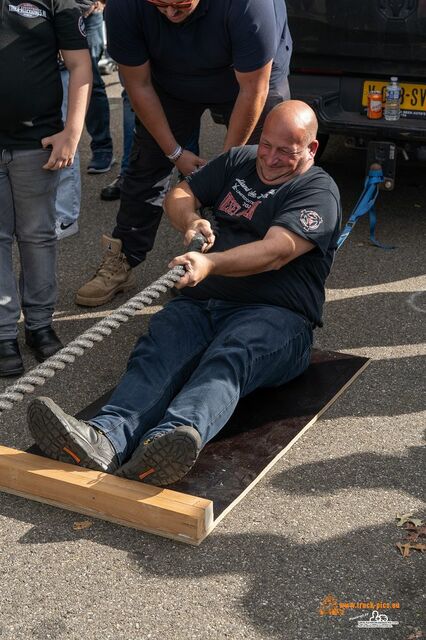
(82, 26)
(310, 220)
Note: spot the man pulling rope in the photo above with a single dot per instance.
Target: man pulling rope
(244, 316)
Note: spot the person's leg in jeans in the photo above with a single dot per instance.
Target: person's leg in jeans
(160, 363)
(183, 382)
(68, 195)
(9, 301)
(254, 346)
(112, 191)
(98, 114)
(33, 191)
(34, 194)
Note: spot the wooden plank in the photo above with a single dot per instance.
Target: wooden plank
(164, 512)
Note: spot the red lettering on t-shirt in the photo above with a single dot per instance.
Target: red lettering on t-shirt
(229, 205)
(249, 212)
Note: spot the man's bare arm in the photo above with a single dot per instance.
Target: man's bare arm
(181, 207)
(64, 144)
(254, 87)
(148, 108)
(279, 247)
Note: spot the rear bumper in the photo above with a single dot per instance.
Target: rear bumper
(337, 103)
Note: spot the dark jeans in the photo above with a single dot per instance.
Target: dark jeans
(198, 359)
(148, 175)
(128, 128)
(97, 118)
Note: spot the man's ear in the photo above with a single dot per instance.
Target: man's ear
(313, 147)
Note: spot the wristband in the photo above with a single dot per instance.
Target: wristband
(176, 154)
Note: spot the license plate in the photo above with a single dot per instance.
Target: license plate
(413, 102)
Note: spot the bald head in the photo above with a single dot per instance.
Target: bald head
(296, 118)
(287, 144)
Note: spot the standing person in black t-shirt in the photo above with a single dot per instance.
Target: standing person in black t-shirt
(34, 144)
(244, 318)
(178, 59)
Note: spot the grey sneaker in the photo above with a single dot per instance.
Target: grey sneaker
(164, 458)
(113, 276)
(66, 230)
(67, 439)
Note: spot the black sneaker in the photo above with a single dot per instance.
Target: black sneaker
(101, 162)
(67, 439)
(43, 342)
(112, 191)
(164, 458)
(10, 358)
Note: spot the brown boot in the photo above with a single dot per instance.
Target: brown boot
(114, 275)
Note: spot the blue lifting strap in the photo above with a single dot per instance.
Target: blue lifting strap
(365, 205)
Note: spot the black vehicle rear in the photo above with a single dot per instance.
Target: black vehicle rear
(344, 48)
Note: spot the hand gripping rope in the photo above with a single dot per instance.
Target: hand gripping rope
(39, 375)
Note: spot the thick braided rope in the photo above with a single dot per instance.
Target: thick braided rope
(39, 375)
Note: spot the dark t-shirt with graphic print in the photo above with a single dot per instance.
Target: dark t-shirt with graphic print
(245, 208)
(31, 34)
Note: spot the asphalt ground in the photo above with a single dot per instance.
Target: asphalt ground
(322, 522)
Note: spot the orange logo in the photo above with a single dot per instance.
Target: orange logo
(330, 607)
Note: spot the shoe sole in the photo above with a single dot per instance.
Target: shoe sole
(97, 302)
(165, 460)
(105, 170)
(49, 427)
(67, 234)
(99, 170)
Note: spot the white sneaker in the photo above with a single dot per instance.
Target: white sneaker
(66, 230)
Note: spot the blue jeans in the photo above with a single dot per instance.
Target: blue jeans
(27, 212)
(68, 195)
(198, 359)
(97, 118)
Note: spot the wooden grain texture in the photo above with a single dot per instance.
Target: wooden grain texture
(162, 511)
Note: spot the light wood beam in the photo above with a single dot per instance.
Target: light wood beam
(161, 511)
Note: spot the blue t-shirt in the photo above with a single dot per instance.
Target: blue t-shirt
(195, 60)
(245, 208)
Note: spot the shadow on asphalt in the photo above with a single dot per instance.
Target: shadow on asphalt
(285, 579)
(360, 471)
(371, 315)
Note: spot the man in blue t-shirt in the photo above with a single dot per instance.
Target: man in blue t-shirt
(243, 320)
(178, 59)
